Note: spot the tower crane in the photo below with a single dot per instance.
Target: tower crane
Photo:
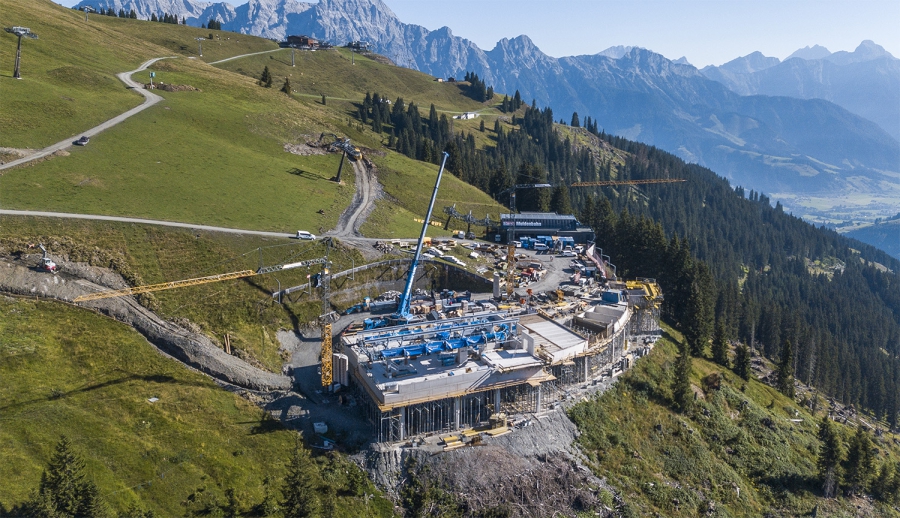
(196, 281)
(326, 319)
(627, 182)
(512, 192)
(346, 148)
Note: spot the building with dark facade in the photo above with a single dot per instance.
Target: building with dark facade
(513, 227)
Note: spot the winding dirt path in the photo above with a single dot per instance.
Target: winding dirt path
(150, 99)
(367, 190)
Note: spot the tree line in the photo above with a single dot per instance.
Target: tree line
(763, 285)
(323, 486)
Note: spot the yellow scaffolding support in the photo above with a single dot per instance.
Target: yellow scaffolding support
(327, 370)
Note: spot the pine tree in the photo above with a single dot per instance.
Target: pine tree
(286, 88)
(63, 490)
(681, 384)
(720, 345)
(153, 18)
(742, 361)
(698, 319)
(786, 369)
(266, 78)
(884, 486)
(323, 100)
(831, 453)
(481, 126)
(300, 493)
(559, 200)
(860, 461)
(576, 123)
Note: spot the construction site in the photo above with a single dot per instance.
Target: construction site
(450, 367)
(446, 368)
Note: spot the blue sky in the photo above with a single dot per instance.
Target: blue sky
(705, 31)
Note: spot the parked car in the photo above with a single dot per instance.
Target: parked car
(302, 234)
(82, 141)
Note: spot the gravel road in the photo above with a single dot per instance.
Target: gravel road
(150, 99)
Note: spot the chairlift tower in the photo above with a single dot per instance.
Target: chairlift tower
(20, 31)
(200, 43)
(87, 9)
(292, 53)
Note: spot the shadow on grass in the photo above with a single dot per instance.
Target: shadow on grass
(304, 174)
(60, 394)
(265, 424)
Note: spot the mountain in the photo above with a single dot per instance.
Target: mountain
(775, 144)
(865, 82)
(807, 52)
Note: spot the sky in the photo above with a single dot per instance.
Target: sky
(706, 32)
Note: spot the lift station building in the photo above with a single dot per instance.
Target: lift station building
(513, 227)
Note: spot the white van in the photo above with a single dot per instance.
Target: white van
(540, 247)
(302, 234)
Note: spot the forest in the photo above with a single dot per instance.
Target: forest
(725, 256)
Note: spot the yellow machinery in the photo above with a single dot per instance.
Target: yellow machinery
(196, 281)
(510, 271)
(327, 367)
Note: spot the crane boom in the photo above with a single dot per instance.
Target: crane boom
(402, 314)
(627, 182)
(196, 281)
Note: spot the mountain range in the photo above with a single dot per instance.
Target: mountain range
(817, 123)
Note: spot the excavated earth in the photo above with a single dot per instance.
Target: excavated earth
(192, 348)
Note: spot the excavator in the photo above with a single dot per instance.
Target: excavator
(346, 148)
(47, 264)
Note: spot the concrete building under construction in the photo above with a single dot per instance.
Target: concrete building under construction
(445, 375)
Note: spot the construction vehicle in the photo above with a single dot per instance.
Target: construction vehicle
(47, 264)
(346, 148)
(403, 316)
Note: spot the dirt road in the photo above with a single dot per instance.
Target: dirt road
(150, 99)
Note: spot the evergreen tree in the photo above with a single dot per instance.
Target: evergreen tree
(286, 88)
(559, 200)
(681, 385)
(301, 499)
(860, 461)
(266, 78)
(132, 14)
(575, 122)
(720, 345)
(698, 322)
(884, 487)
(481, 126)
(742, 361)
(153, 18)
(63, 490)
(831, 454)
(323, 100)
(269, 505)
(786, 369)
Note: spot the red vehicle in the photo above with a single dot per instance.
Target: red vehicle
(47, 264)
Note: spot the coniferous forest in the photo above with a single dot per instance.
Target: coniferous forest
(724, 256)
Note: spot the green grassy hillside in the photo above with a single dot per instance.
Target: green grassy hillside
(214, 156)
(744, 449)
(90, 378)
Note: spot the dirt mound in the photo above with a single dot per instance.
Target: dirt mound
(192, 348)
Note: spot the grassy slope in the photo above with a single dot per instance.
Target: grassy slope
(673, 464)
(68, 74)
(243, 308)
(192, 159)
(88, 377)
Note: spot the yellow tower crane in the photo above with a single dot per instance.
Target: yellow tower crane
(196, 281)
(627, 182)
